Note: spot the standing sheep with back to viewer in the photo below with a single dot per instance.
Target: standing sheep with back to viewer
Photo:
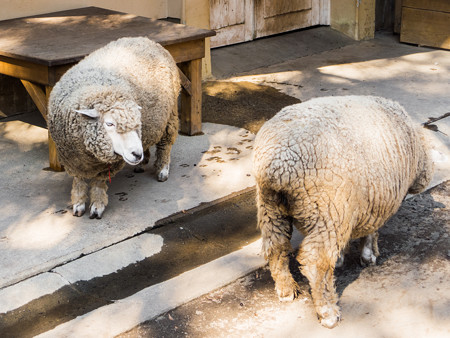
(337, 168)
(109, 109)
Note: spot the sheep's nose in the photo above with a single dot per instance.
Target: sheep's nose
(137, 155)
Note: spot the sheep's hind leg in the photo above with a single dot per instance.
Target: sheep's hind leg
(317, 262)
(369, 249)
(99, 198)
(276, 232)
(79, 196)
(140, 167)
(341, 259)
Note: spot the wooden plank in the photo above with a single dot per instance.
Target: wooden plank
(66, 37)
(276, 8)
(227, 18)
(249, 20)
(434, 5)
(424, 27)
(38, 95)
(228, 35)
(23, 70)
(187, 51)
(273, 20)
(185, 82)
(191, 105)
(225, 13)
(324, 18)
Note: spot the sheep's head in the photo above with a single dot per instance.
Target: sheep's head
(121, 128)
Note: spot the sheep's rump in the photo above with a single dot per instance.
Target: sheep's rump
(352, 158)
(136, 69)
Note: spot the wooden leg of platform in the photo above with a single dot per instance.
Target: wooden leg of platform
(40, 98)
(191, 103)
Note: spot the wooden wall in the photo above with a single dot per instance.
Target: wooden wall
(426, 22)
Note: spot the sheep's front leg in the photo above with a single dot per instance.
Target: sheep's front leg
(79, 196)
(276, 232)
(317, 261)
(369, 249)
(163, 148)
(99, 198)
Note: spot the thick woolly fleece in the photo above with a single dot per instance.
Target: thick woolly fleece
(119, 78)
(337, 168)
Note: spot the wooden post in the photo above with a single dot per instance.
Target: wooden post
(52, 155)
(191, 105)
(40, 98)
(355, 19)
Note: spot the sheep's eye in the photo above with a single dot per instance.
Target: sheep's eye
(109, 124)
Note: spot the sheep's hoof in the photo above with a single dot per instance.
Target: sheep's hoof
(330, 322)
(340, 261)
(97, 210)
(163, 175)
(329, 316)
(79, 209)
(288, 291)
(367, 257)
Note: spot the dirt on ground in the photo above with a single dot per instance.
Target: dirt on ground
(404, 295)
(242, 104)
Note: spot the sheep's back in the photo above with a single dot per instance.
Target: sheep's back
(350, 152)
(152, 75)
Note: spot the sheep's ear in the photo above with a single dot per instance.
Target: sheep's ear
(89, 112)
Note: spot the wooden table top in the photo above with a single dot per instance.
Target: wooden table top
(66, 37)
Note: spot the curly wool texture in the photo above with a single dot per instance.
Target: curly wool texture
(349, 159)
(337, 168)
(117, 78)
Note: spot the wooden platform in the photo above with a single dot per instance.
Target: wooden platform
(40, 49)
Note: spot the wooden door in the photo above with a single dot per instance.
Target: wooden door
(242, 20)
(232, 20)
(278, 16)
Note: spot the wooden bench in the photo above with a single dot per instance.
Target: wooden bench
(40, 49)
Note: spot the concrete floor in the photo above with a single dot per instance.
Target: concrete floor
(304, 64)
(405, 294)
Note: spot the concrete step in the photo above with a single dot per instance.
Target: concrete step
(182, 257)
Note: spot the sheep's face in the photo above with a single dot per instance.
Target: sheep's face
(123, 133)
(126, 143)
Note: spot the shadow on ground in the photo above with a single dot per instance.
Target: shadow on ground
(413, 246)
(242, 104)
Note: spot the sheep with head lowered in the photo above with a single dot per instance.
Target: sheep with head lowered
(337, 168)
(108, 110)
